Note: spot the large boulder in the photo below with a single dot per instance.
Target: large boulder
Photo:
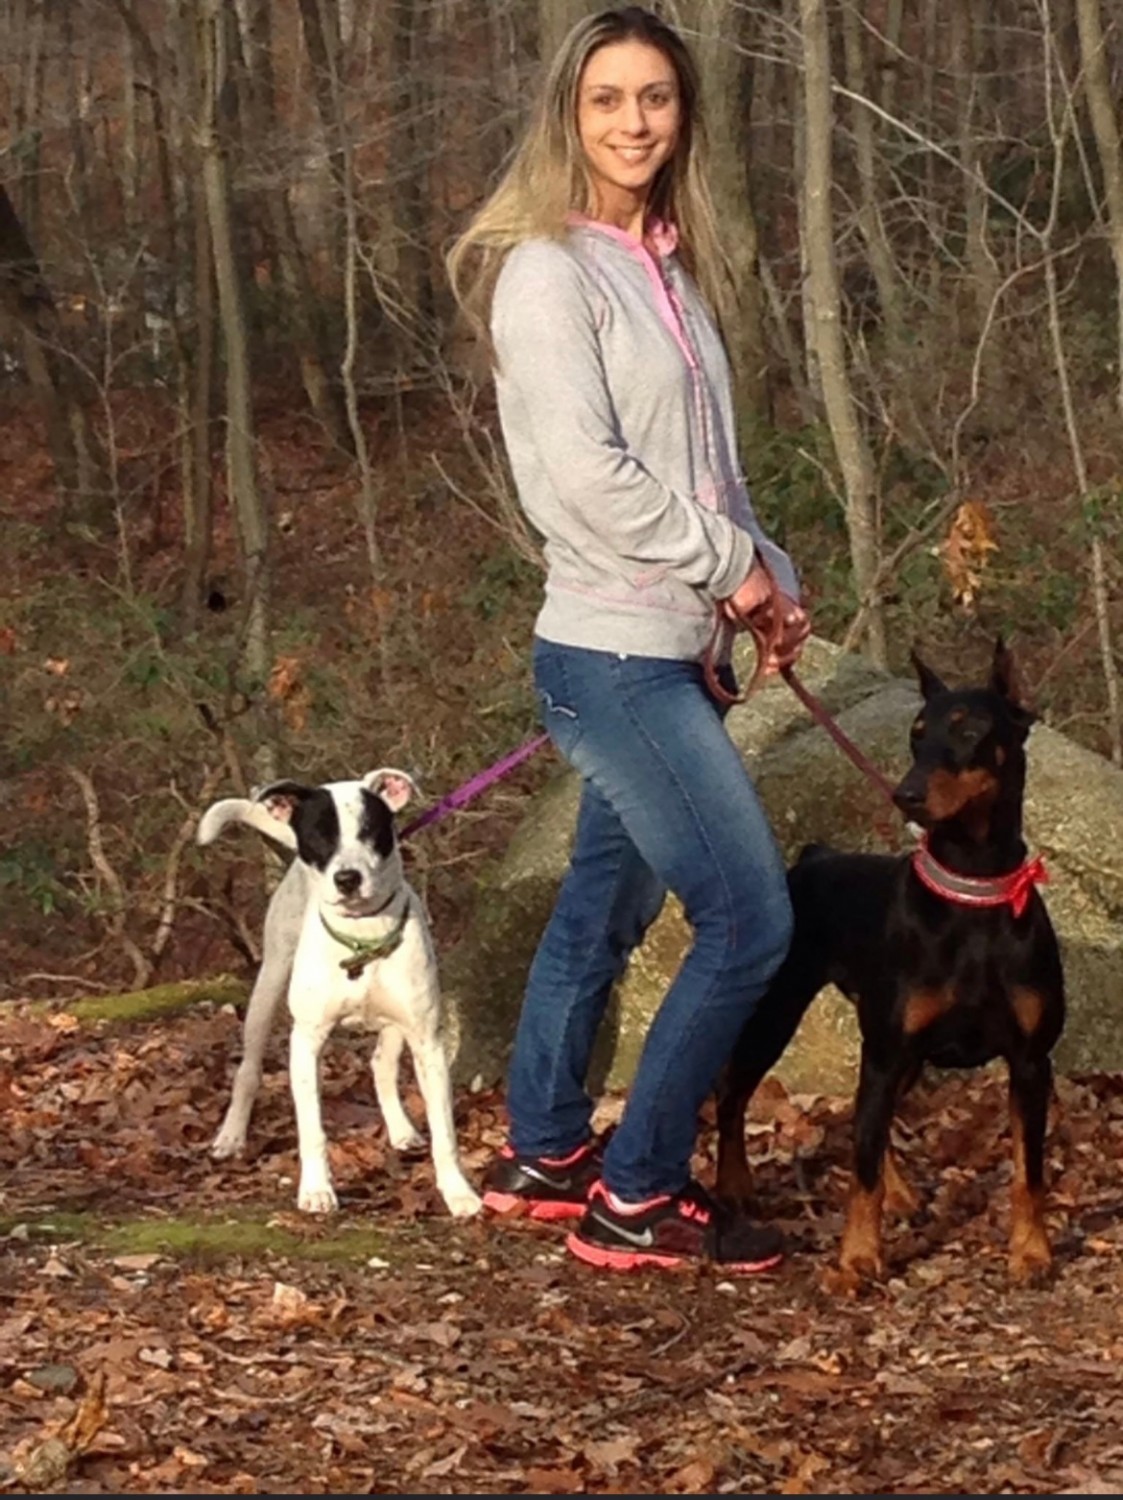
(1074, 816)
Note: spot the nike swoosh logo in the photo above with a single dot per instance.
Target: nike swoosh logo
(561, 1183)
(644, 1239)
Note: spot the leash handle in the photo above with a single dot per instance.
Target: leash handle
(766, 628)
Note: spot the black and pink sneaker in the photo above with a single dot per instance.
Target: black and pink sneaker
(677, 1229)
(544, 1187)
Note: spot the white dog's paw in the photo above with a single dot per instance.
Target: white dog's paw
(461, 1200)
(407, 1139)
(319, 1199)
(228, 1142)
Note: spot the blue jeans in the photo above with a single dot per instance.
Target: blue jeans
(666, 803)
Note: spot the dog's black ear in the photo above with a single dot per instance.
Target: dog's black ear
(930, 684)
(281, 798)
(1005, 681)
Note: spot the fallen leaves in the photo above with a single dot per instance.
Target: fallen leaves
(48, 1461)
(478, 1358)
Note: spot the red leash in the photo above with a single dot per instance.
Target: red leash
(841, 739)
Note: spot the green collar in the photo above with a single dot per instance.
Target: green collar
(364, 951)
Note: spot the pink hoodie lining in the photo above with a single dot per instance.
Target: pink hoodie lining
(663, 238)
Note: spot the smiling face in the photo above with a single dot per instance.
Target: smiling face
(629, 117)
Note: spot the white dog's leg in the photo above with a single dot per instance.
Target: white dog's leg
(282, 929)
(268, 992)
(432, 1077)
(316, 1195)
(384, 1067)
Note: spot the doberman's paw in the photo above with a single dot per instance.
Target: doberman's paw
(734, 1185)
(852, 1273)
(1031, 1265)
(843, 1281)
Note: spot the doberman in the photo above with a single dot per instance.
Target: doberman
(947, 952)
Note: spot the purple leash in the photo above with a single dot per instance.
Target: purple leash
(472, 788)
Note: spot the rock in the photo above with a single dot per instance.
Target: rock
(1074, 816)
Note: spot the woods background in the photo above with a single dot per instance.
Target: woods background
(256, 520)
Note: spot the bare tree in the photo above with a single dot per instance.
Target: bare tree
(241, 463)
(885, 275)
(27, 300)
(725, 55)
(555, 19)
(967, 84)
(265, 130)
(1102, 111)
(846, 431)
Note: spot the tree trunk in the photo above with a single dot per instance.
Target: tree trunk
(797, 114)
(27, 300)
(556, 18)
(849, 441)
(29, 131)
(726, 62)
(980, 262)
(241, 466)
(402, 248)
(197, 399)
(319, 22)
(892, 61)
(312, 346)
(1101, 109)
(870, 222)
(194, 356)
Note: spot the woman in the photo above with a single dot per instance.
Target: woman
(599, 259)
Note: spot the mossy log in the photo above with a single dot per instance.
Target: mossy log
(209, 1239)
(151, 1004)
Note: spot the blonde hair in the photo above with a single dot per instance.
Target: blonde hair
(547, 178)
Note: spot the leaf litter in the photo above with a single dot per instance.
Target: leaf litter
(392, 1350)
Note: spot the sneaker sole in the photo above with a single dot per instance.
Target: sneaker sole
(545, 1210)
(606, 1259)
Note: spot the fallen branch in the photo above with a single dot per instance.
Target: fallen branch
(152, 1003)
(171, 873)
(115, 917)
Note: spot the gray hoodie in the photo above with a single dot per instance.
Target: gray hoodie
(616, 407)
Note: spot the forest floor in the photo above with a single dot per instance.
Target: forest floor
(172, 1325)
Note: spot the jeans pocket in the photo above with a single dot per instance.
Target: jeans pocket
(556, 701)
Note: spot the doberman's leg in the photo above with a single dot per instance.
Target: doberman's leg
(759, 1047)
(1030, 1081)
(860, 1254)
(901, 1198)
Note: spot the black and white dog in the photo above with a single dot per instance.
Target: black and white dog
(348, 937)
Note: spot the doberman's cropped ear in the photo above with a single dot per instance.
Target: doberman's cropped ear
(1004, 681)
(395, 787)
(930, 684)
(281, 798)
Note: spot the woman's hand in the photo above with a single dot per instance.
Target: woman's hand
(754, 593)
(776, 613)
(794, 628)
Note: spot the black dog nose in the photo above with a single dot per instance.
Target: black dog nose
(911, 796)
(347, 882)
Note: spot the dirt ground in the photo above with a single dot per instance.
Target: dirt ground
(171, 1325)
